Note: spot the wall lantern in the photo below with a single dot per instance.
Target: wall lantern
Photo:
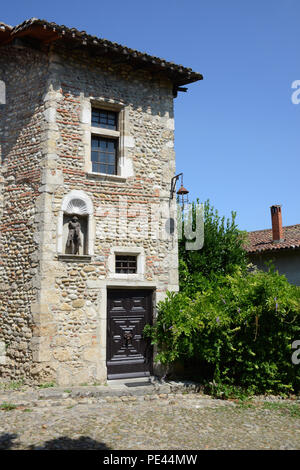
(182, 192)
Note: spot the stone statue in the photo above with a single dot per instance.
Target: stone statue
(74, 240)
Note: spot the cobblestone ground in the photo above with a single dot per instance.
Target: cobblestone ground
(173, 421)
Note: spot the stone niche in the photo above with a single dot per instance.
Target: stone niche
(76, 203)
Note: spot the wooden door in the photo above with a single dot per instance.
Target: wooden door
(128, 353)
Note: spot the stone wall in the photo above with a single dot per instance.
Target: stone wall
(65, 325)
(21, 136)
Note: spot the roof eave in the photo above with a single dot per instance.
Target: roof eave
(272, 250)
(50, 32)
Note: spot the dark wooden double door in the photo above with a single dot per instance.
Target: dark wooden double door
(129, 354)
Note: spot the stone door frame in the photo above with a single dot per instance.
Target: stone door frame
(103, 292)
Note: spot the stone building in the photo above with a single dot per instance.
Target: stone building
(278, 245)
(86, 130)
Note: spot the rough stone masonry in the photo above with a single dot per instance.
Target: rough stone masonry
(53, 305)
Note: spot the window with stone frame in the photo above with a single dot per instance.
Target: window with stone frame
(126, 264)
(104, 141)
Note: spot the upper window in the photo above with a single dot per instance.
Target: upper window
(105, 141)
(104, 155)
(105, 119)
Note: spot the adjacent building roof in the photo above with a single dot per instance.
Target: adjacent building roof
(46, 32)
(262, 240)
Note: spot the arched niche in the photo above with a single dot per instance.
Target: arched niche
(76, 203)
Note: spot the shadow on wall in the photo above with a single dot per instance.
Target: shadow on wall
(61, 443)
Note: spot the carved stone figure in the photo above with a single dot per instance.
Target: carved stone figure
(74, 239)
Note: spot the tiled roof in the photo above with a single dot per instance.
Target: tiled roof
(45, 31)
(261, 240)
(4, 26)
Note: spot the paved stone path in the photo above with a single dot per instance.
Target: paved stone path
(66, 419)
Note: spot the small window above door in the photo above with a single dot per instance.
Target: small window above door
(126, 264)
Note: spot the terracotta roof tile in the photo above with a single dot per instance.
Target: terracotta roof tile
(5, 26)
(261, 240)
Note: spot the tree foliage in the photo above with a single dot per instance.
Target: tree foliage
(236, 325)
(238, 329)
(222, 251)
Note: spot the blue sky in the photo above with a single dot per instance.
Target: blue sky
(237, 136)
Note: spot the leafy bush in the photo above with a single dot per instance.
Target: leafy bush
(234, 326)
(237, 328)
(222, 251)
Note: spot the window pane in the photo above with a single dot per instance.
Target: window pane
(111, 159)
(103, 118)
(95, 142)
(94, 116)
(95, 167)
(95, 156)
(104, 154)
(103, 158)
(111, 146)
(126, 264)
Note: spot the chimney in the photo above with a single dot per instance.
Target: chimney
(277, 229)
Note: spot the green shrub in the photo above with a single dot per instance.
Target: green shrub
(238, 330)
(222, 251)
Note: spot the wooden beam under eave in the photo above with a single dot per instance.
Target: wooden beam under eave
(52, 38)
(5, 41)
(38, 33)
